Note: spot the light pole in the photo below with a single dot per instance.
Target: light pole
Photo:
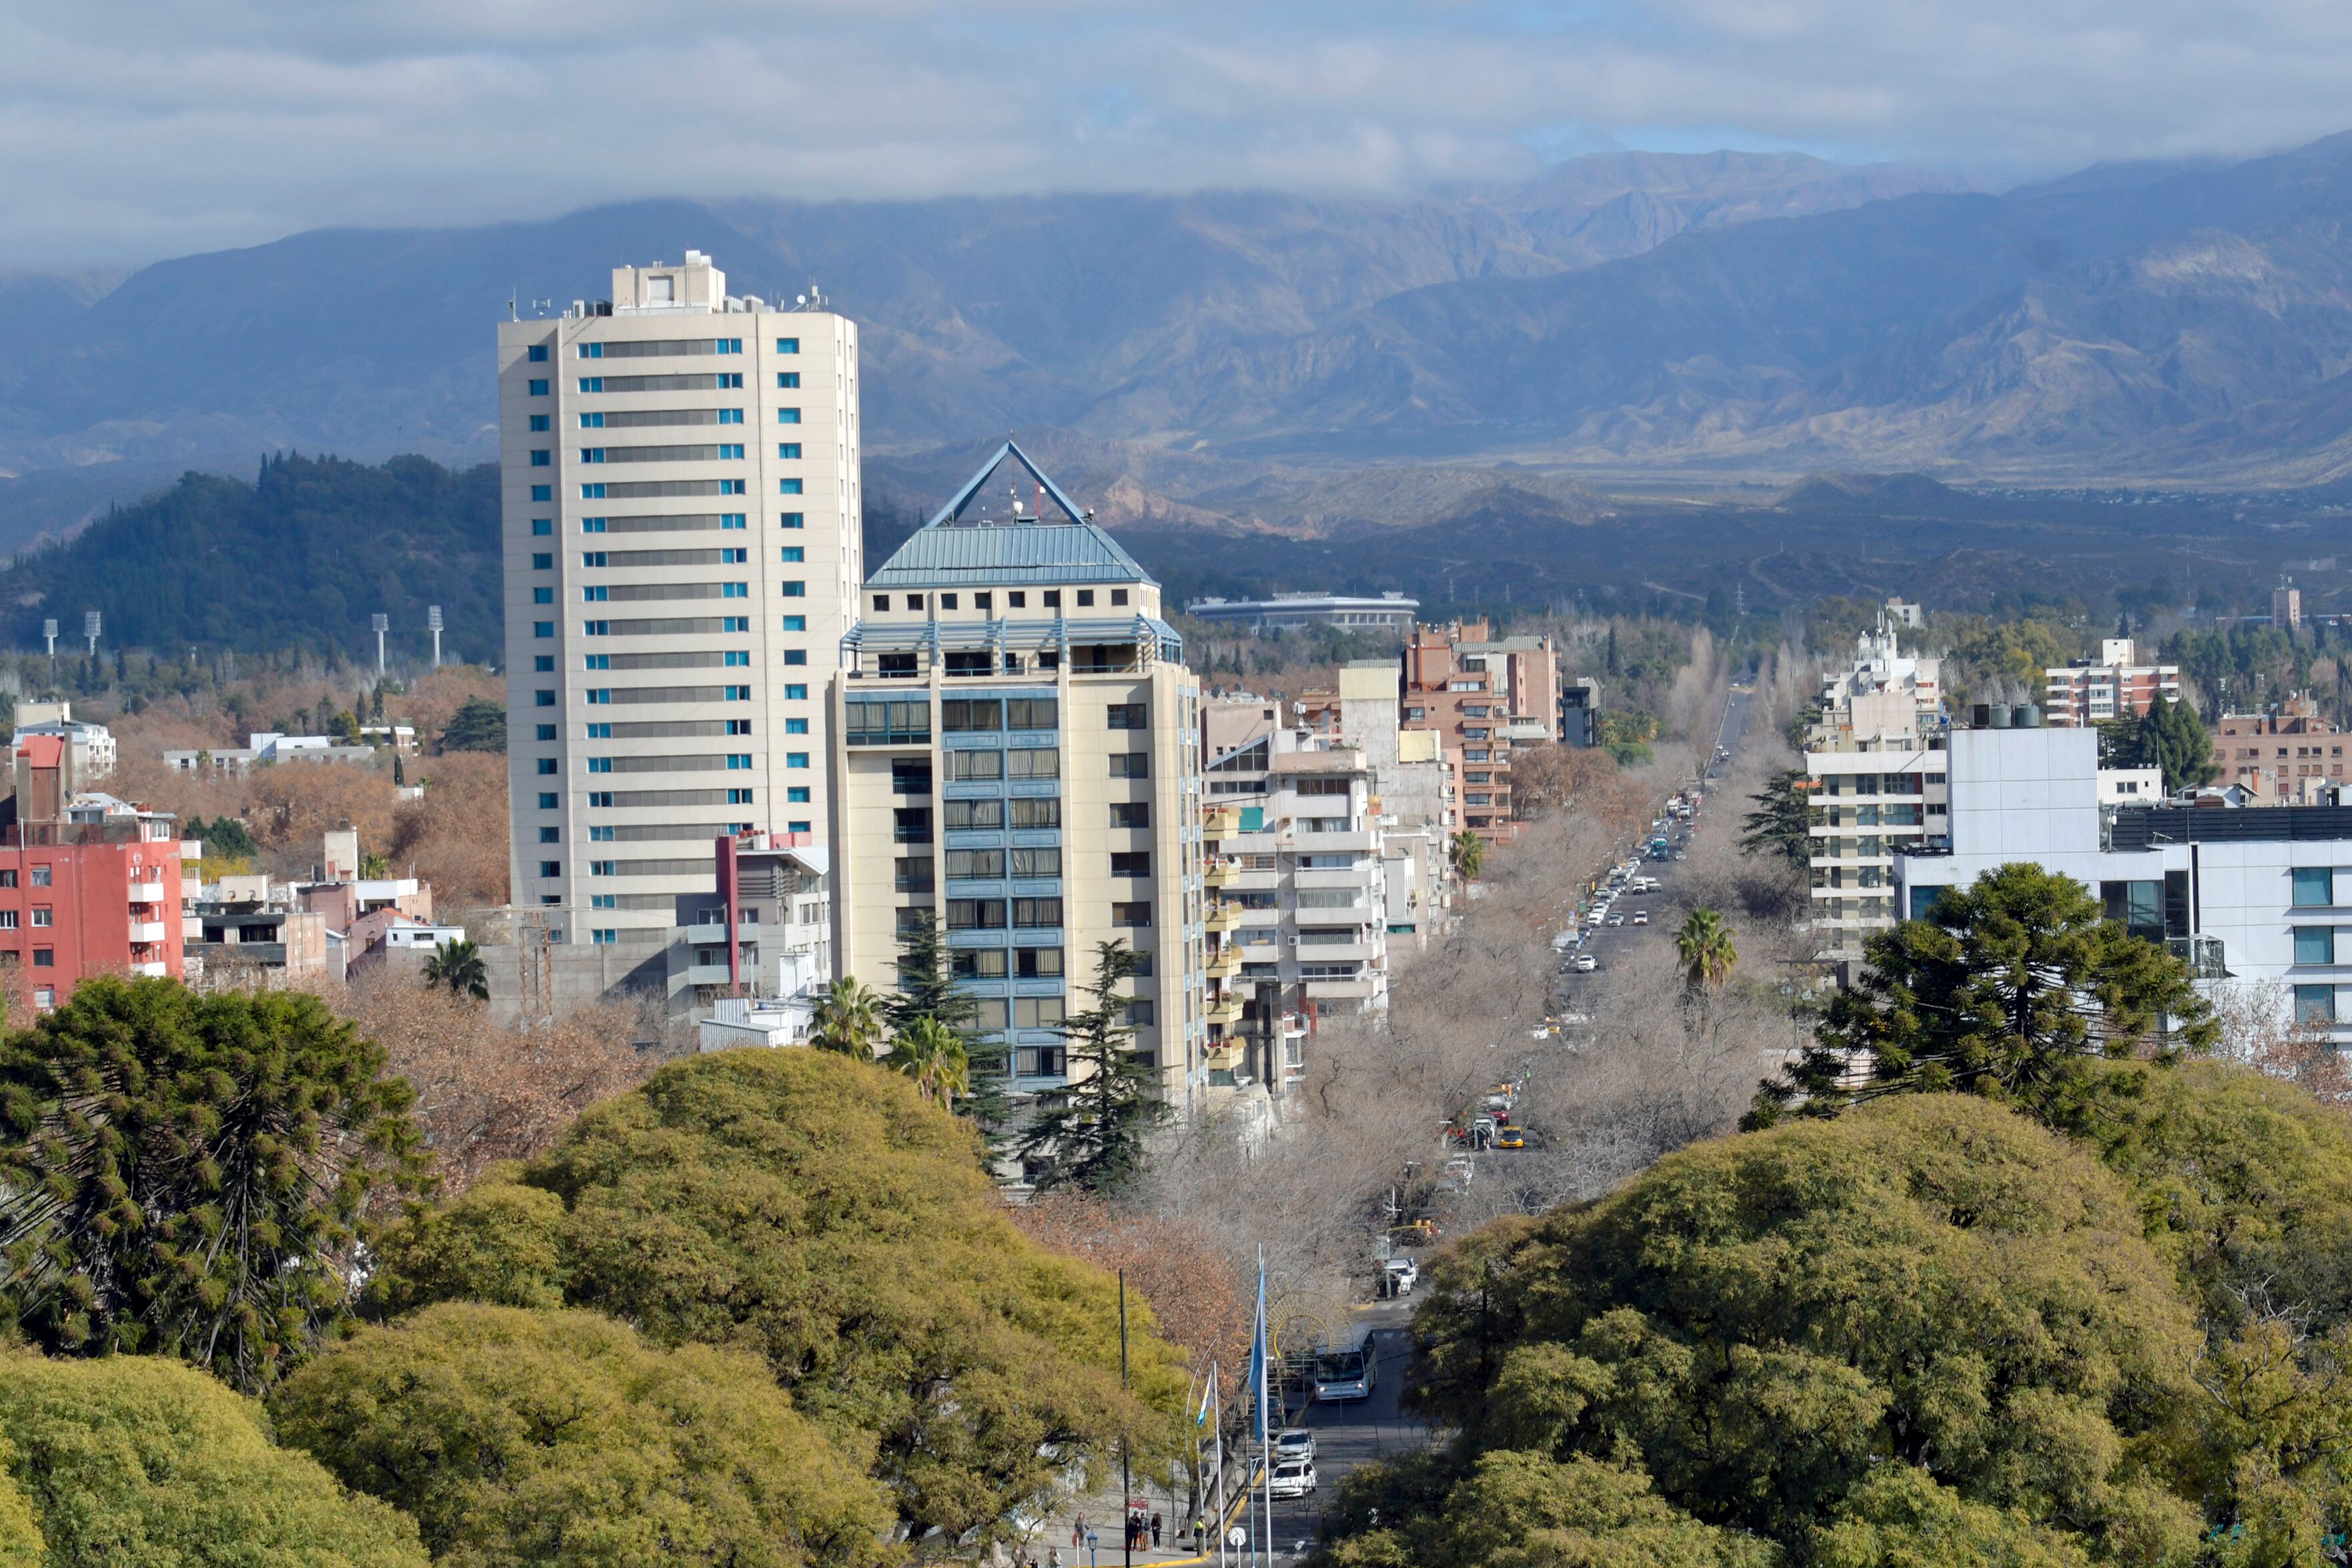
(49, 631)
(379, 624)
(90, 621)
(433, 625)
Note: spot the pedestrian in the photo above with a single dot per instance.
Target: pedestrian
(1155, 1532)
(1078, 1534)
(1199, 1536)
(1053, 1557)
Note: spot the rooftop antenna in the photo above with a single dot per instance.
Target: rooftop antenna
(542, 307)
(513, 295)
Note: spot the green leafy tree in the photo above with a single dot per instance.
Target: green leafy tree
(1704, 947)
(133, 1462)
(226, 836)
(1782, 823)
(2016, 989)
(1467, 851)
(1773, 1328)
(188, 1174)
(931, 1057)
(816, 1211)
(1090, 1133)
(2119, 743)
(848, 1020)
(928, 989)
(2172, 737)
(478, 725)
(457, 964)
(549, 1439)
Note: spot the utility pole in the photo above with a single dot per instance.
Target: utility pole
(379, 624)
(433, 625)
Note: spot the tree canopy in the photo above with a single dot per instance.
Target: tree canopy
(1782, 823)
(2016, 987)
(139, 1462)
(2169, 737)
(478, 725)
(187, 1174)
(541, 1439)
(1089, 1134)
(1929, 1317)
(816, 1212)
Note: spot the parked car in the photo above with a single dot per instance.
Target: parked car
(1297, 1442)
(1616, 920)
(1511, 1138)
(1586, 963)
(1294, 1478)
(1403, 1275)
(1459, 1172)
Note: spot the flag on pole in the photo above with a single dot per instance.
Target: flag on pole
(1208, 1390)
(1258, 1368)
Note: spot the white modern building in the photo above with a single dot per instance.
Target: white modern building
(2120, 685)
(682, 540)
(1876, 786)
(2249, 898)
(1288, 611)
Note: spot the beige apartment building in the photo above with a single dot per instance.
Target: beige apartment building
(682, 540)
(1485, 696)
(1020, 755)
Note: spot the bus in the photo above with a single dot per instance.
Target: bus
(1345, 1367)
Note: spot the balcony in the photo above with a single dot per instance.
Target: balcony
(1220, 821)
(1369, 948)
(1344, 878)
(145, 892)
(154, 970)
(716, 931)
(1225, 1010)
(1223, 965)
(1343, 991)
(1332, 844)
(1223, 916)
(707, 974)
(147, 930)
(1345, 914)
(1221, 873)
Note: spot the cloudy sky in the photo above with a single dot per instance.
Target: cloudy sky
(151, 128)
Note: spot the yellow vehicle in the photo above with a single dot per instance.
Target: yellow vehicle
(1510, 1137)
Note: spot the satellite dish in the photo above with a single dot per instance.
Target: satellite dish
(799, 299)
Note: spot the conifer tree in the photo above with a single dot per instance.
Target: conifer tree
(927, 990)
(1089, 1135)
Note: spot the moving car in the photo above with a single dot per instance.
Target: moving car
(1511, 1138)
(1295, 1443)
(1292, 1477)
(1586, 963)
(1616, 920)
(1641, 917)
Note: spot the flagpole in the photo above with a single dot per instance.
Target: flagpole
(1264, 1434)
(1217, 1446)
(1125, 1482)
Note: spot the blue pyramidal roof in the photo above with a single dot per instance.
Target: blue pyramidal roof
(947, 552)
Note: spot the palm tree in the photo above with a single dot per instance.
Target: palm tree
(1705, 946)
(1469, 852)
(848, 1020)
(457, 964)
(929, 1052)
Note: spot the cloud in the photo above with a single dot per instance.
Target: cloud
(141, 130)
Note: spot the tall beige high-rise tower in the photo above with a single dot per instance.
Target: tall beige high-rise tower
(682, 528)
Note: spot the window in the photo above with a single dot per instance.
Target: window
(788, 486)
(547, 801)
(1052, 599)
(1032, 713)
(547, 731)
(893, 722)
(1039, 1012)
(974, 814)
(1127, 715)
(788, 554)
(794, 727)
(733, 694)
(604, 901)
(7, 920)
(545, 698)
(910, 775)
(544, 664)
(555, 868)
(975, 914)
(788, 417)
(1141, 1012)
(43, 916)
(972, 715)
(1131, 765)
(730, 416)
(1041, 762)
(1131, 814)
(538, 353)
(788, 381)
(1038, 962)
(550, 835)
(2314, 886)
(602, 799)
(546, 595)
(915, 873)
(1086, 598)
(1131, 863)
(793, 691)
(1017, 599)
(984, 603)
(1037, 863)
(595, 765)
(968, 864)
(1131, 915)
(542, 528)
(789, 346)
(603, 935)
(975, 765)
(2315, 1004)
(792, 760)
(976, 963)
(1037, 914)
(46, 958)
(539, 423)
(541, 458)
(734, 726)
(796, 794)
(1037, 813)
(788, 449)
(796, 623)
(788, 520)
(542, 492)
(542, 628)
(2314, 945)
(912, 824)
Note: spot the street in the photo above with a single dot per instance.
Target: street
(1355, 1433)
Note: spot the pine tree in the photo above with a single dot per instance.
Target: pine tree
(927, 990)
(1782, 823)
(1089, 1135)
(2172, 737)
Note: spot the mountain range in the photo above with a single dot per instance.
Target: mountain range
(1310, 365)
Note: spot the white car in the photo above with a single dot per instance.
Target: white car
(1297, 1442)
(1616, 920)
(1586, 963)
(1292, 1477)
(1641, 917)
(1403, 1275)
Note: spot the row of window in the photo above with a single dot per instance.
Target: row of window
(912, 824)
(994, 864)
(1030, 914)
(546, 628)
(985, 599)
(669, 347)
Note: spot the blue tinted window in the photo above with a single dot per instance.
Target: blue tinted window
(538, 353)
(2314, 886)
(2314, 945)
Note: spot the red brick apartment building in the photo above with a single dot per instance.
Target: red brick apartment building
(1484, 695)
(89, 884)
(2273, 754)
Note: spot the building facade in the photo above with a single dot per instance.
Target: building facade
(1875, 782)
(2120, 685)
(1020, 757)
(1390, 613)
(775, 897)
(682, 544)
(1484, 697)
(2288, 755)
